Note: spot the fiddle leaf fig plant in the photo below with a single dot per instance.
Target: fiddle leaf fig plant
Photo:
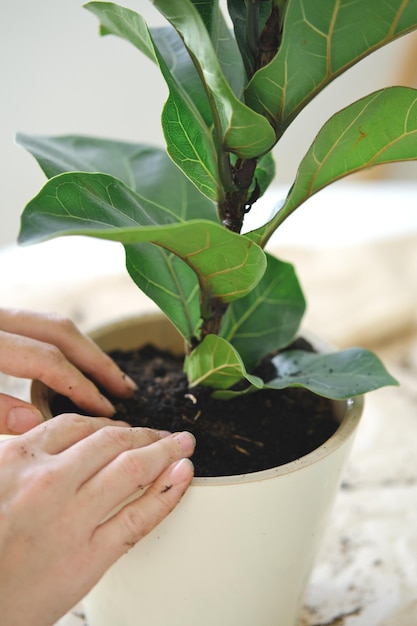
(235, 82)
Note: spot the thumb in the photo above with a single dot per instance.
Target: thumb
(17, 416)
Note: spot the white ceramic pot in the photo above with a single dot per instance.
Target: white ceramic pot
(238, 550)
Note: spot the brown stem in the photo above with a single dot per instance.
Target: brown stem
(269, 40)
(213, 318)
(235, 204)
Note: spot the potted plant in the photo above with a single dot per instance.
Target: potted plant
(234, 310)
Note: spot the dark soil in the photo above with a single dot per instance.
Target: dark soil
(247, 434)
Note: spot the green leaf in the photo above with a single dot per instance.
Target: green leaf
(164, 277)
(320, 41)
(265, 172)
(215, 363)
(190, 142)
(116, 20)
(182, 69)
(268, 318)
(380, 128)
(144, 168)
(337, 375)
(228, 265)
(244, 132)
(224, 44)
(169, 282)
(248, 20)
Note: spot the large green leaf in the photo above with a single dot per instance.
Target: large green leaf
(164, 277)
(337, 375)
(228, 265)
(380, 128)
(243, 131)
(215, 363)
(320, 41)
(268, 318)
(144, 168)
(189, 139)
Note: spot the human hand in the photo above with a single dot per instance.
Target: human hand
(58, 483)
(51, 348)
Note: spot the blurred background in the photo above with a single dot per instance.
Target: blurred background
(58, 77)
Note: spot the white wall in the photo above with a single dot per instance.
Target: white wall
(58, 76)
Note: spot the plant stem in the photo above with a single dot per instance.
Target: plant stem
(240, 190)
(269, 39)
(236, 203)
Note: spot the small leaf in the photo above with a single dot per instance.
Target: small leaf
(337, 375)
(268, 318)
(215, 363)
(116, 20)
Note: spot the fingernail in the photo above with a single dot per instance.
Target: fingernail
(186, 441)
(108, 407)
(180, 471)
(21, 419)
(130, 383)
(164, 433)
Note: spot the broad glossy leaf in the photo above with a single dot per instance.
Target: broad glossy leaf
(338, 375)
(148, 170)
(269, 317)
(189, 140)
(320, 41)
(215, 363)
(244, 132)
(169, 282)
(380, 128)
(228, 265)
(144, 168)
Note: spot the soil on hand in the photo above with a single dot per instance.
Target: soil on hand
(250, 433)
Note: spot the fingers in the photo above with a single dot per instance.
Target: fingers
(66, 342)
(133, 470)
(17, 416)
(138, 518)
(29, 358)
(101, 448)
(64, 431)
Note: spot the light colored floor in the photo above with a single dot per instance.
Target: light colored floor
(366, 574)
